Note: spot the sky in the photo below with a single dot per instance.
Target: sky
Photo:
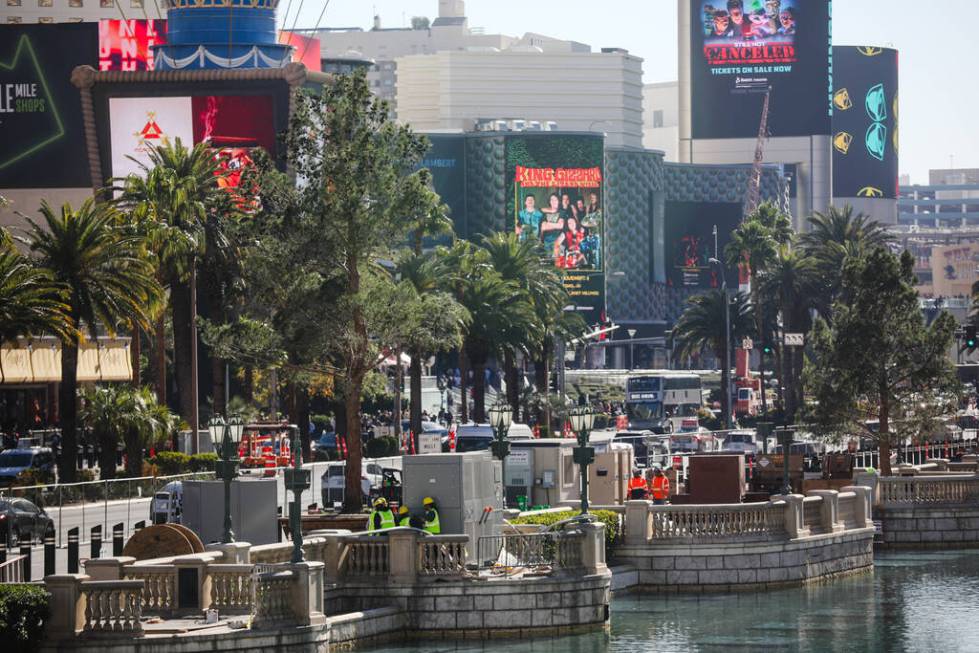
(939, 98)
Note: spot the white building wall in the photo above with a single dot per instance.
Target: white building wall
(77, 11)
(599, 92)
(661, 118)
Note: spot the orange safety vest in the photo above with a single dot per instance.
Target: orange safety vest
(636, 484)
(661, 487)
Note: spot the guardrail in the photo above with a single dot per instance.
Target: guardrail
(12, 570)
(928, 490)
(530, 551)
(741, 520)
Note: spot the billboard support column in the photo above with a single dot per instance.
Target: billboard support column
(83, 78)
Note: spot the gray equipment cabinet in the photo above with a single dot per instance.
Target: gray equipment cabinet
(253, 510)
(463, 485)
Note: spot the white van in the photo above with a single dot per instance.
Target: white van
(167, 504)
(478, 437)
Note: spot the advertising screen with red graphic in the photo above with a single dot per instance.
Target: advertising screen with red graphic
(128, 44)
(742, 48)
(691, 241)
(232, 124)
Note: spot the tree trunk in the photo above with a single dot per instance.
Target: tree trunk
(68, 404)
(398, 385)
(353, 501)
(725, 387)
(415, 392)
(463, 386)
(479, 389)
(180, 301)
(217, 383)
(136, 349)
(512, 383)
(134, 455)
(107, 455)
(249, 388)
(884, 437)
(160, 355)
(302, 421)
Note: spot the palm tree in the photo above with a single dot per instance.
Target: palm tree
(173, 199)
(107, 280)
(132, 417)
(833, 238)
(30, 302)
(790, 284)
(702, 327)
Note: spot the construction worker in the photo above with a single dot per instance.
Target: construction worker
(660, 487)
(637, 486)
(381, 517)
(431, 524)
(403, 517)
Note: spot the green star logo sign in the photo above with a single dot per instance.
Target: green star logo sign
(29, 118)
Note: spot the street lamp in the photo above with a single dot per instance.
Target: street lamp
(440, 382)
(582, 419)
(632, 360)
(727, 339)
(500, 417)
(297, 480)
(225, 437)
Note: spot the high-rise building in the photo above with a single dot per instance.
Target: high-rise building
(661, 118)
(78, 11)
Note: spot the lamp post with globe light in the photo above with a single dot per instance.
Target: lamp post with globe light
(500, 417)
(225, 437)
(582, 420)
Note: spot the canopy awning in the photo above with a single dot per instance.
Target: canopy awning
(38, 360)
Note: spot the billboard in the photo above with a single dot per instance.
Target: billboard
(446, 161)
(556, 199)
(128, 44)
(865, 129)
(232, 124)
(42, 138)
(695, 233)
(742, 48)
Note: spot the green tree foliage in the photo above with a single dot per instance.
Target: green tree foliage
(127, 416)
(23, 611)
(702, 327)
(108, 282)
(878, 360)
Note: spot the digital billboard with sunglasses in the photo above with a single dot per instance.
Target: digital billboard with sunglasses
(865, 129)
(742, 48)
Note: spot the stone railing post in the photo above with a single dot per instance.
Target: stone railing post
(331, 559)
(107, 568)
(593, 547)
(794, 517)
(638, 523)
(234, 553)
(830, 510)
(940, 464)
(402, 556)
(67, 608)
(193, 586)
(862, 505)
(307, 593)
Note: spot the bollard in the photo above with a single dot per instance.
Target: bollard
(138, 526)
(118, 539)
(73, 551)
(96, 542)
(25, 550)
(49, 553)
(3, 551)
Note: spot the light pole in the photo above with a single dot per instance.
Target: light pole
(582, 419)
(297, 480)
(225, 437)
(440, 382)
(727, 340)
(500, 418)
(632, 360)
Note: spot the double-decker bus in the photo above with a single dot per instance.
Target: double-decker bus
(659, 401)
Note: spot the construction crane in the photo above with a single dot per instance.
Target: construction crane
(754, 181)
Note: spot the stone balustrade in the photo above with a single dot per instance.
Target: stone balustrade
(113, 607)
(364, 555)
(231, 588)
(924, 490)
(273, 599)
(697, 522)
(160, 586)
(443, 557)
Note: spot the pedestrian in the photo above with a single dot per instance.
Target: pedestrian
(660, 487)
(381, 518)
(431, 524)
(637, 486)
(403, 517)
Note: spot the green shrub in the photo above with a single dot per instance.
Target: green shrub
(23, 611)
(607, 517)
(203, 462)
(171, 462)
(321, 422)
(381, 447)
(32, 476)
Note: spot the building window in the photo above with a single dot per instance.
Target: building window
(45, 19)
(75, 4)
(44, 3)
(657, 118)
(13, 3)
(107, 4)
(136, 4)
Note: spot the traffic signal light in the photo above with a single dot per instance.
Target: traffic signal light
(970, 337)
(766, 349)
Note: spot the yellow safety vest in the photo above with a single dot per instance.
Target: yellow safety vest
(432, 521)
(387, 519)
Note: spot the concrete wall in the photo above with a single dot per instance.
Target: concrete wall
(663, 97)
(749, 566)
(923, 526)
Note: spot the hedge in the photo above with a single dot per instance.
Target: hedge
(607, 517)
(23, 611)
(171, 462)
(381, 447)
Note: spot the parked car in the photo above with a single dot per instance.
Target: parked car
(333, 482)
(167, 504)
(478, 437)
(15, 461)
(22, 521)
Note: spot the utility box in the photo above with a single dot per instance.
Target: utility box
(253, 510)
(463, 485)
(608, 476)
(518, 475)
(715, 479)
